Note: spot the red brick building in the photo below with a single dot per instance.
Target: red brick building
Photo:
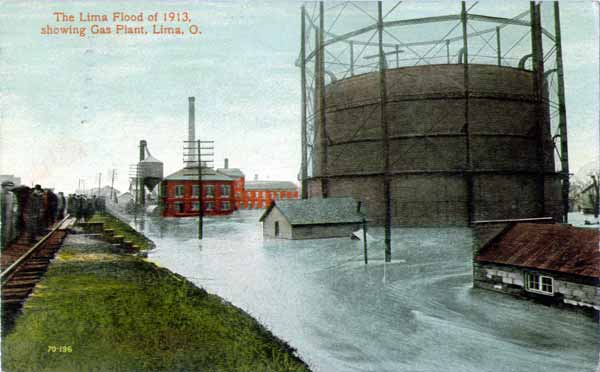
(238, 180)
(224, 190)
(260, 194)
(180, 193)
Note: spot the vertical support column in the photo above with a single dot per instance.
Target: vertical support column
(562, 118)
(385, 139)
(322, 108)
(469, 162)
(538, 86)
(351, 58)
(448, 51)
(498, 46)
(304, 161)
(316, 147)
(397, 56)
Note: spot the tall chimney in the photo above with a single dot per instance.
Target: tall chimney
(191, 129)
(143, 144)
(226, 165)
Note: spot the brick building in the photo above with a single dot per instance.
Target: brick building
(180, 193)
(260, 194)
(224, 191)
(238, 181)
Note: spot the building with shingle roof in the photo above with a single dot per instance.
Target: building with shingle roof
(551, 262)
(313, 218)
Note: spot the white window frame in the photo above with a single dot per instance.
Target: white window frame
(225, 203)
(210, 206)
(210, 191)
(538, 286)
(223, 193)
(179, 194)
(195, 194)
(195, 206)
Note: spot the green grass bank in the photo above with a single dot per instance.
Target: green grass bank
(121, 228)
(100, 310)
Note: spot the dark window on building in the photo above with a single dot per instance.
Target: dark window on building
(225, 206)
(210, 206)
(179, 207)
(195, 206)
(276, 228)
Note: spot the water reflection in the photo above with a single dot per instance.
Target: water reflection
(418, 313)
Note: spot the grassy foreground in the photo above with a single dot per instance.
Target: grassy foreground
(97, 310)
(121, 228)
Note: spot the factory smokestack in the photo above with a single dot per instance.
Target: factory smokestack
(226, 165)
(192, 129)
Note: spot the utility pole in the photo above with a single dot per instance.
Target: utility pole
(467, 130)
(385, 139)
(562, 118)
(99, 182)
(112, 185)
(320, 83)
(364, 223)
(194, 158)
(304, 161)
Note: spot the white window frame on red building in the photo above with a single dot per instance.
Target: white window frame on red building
(225, 191)
(195, 191)
(177, 192)
(210, 191)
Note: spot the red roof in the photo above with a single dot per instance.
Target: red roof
(553, 247)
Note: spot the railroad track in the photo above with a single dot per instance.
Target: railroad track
(21, 276)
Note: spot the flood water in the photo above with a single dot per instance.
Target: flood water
(418, 313)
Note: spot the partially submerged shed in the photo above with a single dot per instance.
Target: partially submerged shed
(550, 262)
(313, 218)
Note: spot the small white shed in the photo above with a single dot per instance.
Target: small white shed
(313, 218)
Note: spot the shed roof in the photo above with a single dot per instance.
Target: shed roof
(270, 185)
(317, 211)
(191, 174)
(554, 247)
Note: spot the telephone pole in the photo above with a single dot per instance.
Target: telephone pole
(196, 157)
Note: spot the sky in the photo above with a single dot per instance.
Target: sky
(72, 107)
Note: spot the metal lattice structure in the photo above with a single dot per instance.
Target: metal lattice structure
(393, 104)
